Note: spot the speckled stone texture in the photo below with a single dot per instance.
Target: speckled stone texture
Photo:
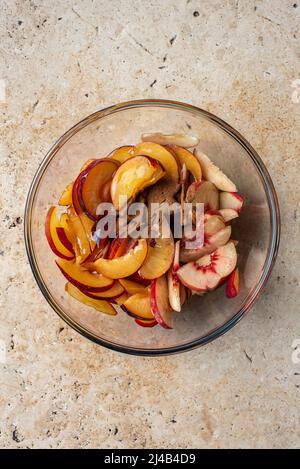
(61, 61)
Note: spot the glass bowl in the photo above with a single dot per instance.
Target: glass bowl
(258, 228)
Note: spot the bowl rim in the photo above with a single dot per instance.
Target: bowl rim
(274, 221)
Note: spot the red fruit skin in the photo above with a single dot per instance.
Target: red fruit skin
(144, 323)
(138, 279)
(49, 237)
(81, 286)
(232, 284)
(135, 316)
(154, 307)
(64, 240)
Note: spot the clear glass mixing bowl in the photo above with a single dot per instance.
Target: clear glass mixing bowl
(257, 229)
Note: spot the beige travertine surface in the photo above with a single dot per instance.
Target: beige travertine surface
(60, 61)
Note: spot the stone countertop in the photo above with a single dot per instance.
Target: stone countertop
(60, 61)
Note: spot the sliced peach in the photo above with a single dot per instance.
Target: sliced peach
(123, 247)
(182, 140)
(115, 291)
(189, 159)
(82, 248)
(64, 239)
(139, 305)
(99, 305)
(100, 250)
(126, 265)
(86, 164)
(122, 154)
(93, 187)
(207, 272)
(65, 224)
(66, 197)
(120, 300)
(173, 282)
(146, 323)
(138, 279)
(132, 177)
(160, 305)
(228, 214)
(231, 200)
(212, 173)
(204, 192)
(161, 154)
(58, 247)
(159, 258)
(83, 279)
(132, 287)
(212, 242)
(232, 284)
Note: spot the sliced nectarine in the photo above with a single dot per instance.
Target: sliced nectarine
(113, 292)
(212, 173)
(122, 154)
(132, 287)
(83, 279)
(120, 300)
(132, 177)
(161, 154)
(66, 197)
(99, 305)
(189, 159)
(58, 247)
(126, 265)
(173, 282)
(159, 258)
(146, 323)
(204, 192)
(83, 247)
(207, 272)
(231, 200)
(94, 185)
(183, 140)
(139, 305)
(160, 305)
(232, 284)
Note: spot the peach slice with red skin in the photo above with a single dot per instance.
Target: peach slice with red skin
(83, 279)
(182, 140)
(100, 305)
(162, 155)
(160, 305)
(82, 245)
(115, 291)
(189, 159)
(232, 284)
(212, 173)
(122, 154)
(132, 177)
(173, 282)
(216, 234)
(207, 272)
(120, 300)
(53, 236)
(146, 323)
(92, 186)
(139, 305)
(204, 192)
(159, 258)
(231, 200)
(132, 287)
(66, 197)
(228, 214)
(123, 266)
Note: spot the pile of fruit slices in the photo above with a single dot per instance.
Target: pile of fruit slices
(148, 279)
